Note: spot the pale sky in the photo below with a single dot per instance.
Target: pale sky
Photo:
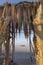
(15, 1)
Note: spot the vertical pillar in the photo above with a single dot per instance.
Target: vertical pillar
(6, 59)
(38, 50)
(38, 39)
(0, 48)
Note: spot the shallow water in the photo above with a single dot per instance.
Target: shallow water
(22, 58)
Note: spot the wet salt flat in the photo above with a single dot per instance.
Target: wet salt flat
(22, 58)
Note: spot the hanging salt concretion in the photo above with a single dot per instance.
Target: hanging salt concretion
(14, 17)
(16, 21)
(32, 12)
(12, 11)
(13, 14)
(25, 22)
(27, 15)
(35, 9)
(19, 18)
(6, 11)
(3, 14)
(29, 20)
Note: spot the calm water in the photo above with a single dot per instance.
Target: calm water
(22, 58)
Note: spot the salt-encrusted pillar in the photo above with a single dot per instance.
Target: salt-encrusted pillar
(38, 36)
(6, 59)
(0, 48)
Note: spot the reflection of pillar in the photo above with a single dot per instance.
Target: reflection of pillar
(30, 28)
(13, 46)
(12, 36)
(30, 40)
(13, 42)
(30, 49)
